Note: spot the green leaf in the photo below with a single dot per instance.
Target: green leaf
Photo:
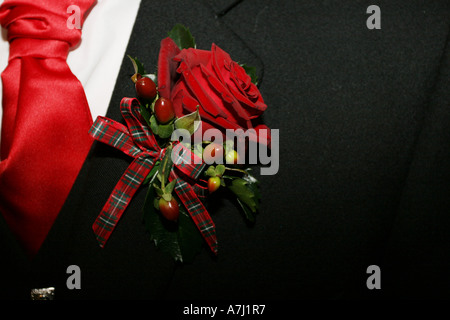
(181, 240)
(137, 65)
(152, 106)
(220, 170)
(154, 125)
(190, 239)
(252, 184)
(152, 173)
(182, 37)
(247, 192)
(190, 122)
(169, 187)
(166, 166)
(165, 130)
(247, 211)
(251, 71)
(211, 171)
(145, 113)
(158, 190)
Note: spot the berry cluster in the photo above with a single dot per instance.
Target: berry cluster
(146, 92)
(215, 153)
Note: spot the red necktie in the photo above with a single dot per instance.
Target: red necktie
(46, 118)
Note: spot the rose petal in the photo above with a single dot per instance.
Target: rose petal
(167, 67)
(194, 57)
(222, 91)
(195, 83)
(177, 99)
(230, 73)
(221, 61)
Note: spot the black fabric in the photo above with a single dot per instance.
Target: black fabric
(364, 157)
(364, 173)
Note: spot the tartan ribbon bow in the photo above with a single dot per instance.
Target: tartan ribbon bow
(136, 140)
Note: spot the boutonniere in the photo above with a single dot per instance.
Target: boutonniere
(192, 130)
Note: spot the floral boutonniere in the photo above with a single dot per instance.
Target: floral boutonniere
(191, 130)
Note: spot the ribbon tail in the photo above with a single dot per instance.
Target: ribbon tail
(119, 199)
(197, 211)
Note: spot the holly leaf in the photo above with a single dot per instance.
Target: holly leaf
(251, 71)
(182, 37)
(190, 239)
(190, 122)
(247, 211)
(181, 240)
(253, 183)
(137, 65)
(246, 190)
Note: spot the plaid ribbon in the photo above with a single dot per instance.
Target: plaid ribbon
(136, 140)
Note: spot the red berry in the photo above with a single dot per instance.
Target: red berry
(145, 88)
(213, 184)
(212, 153)
(164, 110)
(169, 209)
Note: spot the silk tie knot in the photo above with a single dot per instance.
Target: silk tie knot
(35, 31)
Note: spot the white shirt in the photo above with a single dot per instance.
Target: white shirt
(96, 61)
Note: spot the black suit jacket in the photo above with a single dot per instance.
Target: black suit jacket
(364, 173)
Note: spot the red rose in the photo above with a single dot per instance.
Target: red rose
(226, 97)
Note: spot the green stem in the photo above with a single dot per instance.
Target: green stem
(237, 170)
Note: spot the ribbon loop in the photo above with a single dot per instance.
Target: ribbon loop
(136, 140)
(141, 133)
(114, 134)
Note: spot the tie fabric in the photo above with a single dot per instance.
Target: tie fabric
(46, 118)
